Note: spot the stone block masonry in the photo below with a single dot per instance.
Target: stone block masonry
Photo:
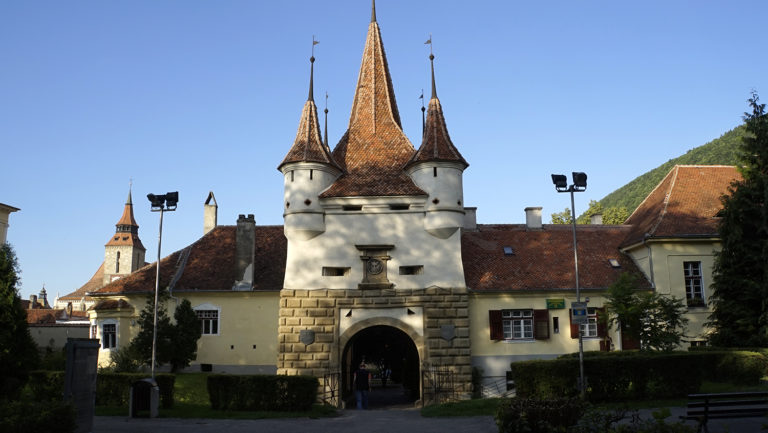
(445, 327)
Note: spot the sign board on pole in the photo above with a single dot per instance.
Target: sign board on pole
(579, 313)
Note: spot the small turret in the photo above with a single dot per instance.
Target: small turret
(308, 170)
(437, 168)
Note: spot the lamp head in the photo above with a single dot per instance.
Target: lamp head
(579, 181)
(560, 181)
(156, 201)
(171, 199)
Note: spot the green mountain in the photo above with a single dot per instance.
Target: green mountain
(720, 151)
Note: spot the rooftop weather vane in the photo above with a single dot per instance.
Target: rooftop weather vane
(423, 120)
(429, 42)
(314, 42)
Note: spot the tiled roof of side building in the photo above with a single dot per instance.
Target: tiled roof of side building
(542, 260)
(684, 204)
(374, 150)
(210, 265)
(40, 315)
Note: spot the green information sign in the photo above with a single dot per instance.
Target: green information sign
(555, 304)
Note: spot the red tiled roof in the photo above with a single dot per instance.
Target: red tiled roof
(130, 238)
(42, 315)
(685, 203)
(437, 145)
(111, 304)
(543, 259)
(374, 150)
(308, 146)
(211, 264)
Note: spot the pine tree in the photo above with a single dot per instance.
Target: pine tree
(18, 352)
(187, 331)
(740, 276)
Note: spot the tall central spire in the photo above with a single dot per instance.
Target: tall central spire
(374, 149)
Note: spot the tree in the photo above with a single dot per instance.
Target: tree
(18, 352)
(563, 217)
(615, 215)
(594, 208)
(655, 320)
(740, 275)
(187, 331)
(176, 343)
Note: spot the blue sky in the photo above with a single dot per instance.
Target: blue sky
(201, 95)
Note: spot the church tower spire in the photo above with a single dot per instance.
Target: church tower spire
(124, 252)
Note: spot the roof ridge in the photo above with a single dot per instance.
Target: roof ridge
(674, 172)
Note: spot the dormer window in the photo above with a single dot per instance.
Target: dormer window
(509, 251)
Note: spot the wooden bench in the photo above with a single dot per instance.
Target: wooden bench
(703, 407)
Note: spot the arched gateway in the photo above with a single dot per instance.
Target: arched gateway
(391, 352)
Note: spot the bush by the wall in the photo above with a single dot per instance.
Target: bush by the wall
(113, 389)
(46, 385)
(25, 417)
(616, 377)
(538, 416)
(262, 392)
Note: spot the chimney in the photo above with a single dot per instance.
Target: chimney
(210, 213)
(470, 218)
(533, 218)
(32, 301)
(245, 246)
(596, 219)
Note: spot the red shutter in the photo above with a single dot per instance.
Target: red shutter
(497, 328)
(574, 327)
(602, 322)
(541, 324)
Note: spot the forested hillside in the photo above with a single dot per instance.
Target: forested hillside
(720, 151)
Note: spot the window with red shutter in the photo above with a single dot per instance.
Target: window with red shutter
(495, 324)
(541, 324)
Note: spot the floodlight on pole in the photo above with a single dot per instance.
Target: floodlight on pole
(160, 203)
(579, 185)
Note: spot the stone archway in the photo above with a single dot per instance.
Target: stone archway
(388, 343)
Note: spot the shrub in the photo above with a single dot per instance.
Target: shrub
(113, 389)
(538, 416)
(606, 421)
(25, 417)
(46, 385)
(262, 392)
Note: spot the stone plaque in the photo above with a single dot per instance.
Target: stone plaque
(448, 332)
(307, 336)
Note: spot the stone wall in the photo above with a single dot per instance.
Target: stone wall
(445, 330)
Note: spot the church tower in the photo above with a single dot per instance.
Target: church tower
(124, 253)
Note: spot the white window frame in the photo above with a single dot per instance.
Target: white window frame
(111, 322)
(589, 330)
(210, 307)
(690, 279)
(517, 325)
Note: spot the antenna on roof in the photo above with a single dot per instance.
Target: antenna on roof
(327, 146)
(432, 66)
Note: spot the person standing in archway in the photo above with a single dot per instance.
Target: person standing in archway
(362, 384)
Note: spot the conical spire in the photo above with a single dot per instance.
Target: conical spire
(308, 145)
(127, 230)
(374, 150)
(436, 144)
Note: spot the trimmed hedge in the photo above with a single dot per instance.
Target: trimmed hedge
(112, 389)
(262, 392)
(26, 417)
(538, 416)
(636, 375)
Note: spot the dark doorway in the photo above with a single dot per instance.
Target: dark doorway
(383, 349)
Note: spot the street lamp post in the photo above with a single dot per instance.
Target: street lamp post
(160, 203)
(579, 185)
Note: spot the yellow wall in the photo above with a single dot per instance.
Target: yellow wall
(247, 338)
(667, 257)
(494, 357)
